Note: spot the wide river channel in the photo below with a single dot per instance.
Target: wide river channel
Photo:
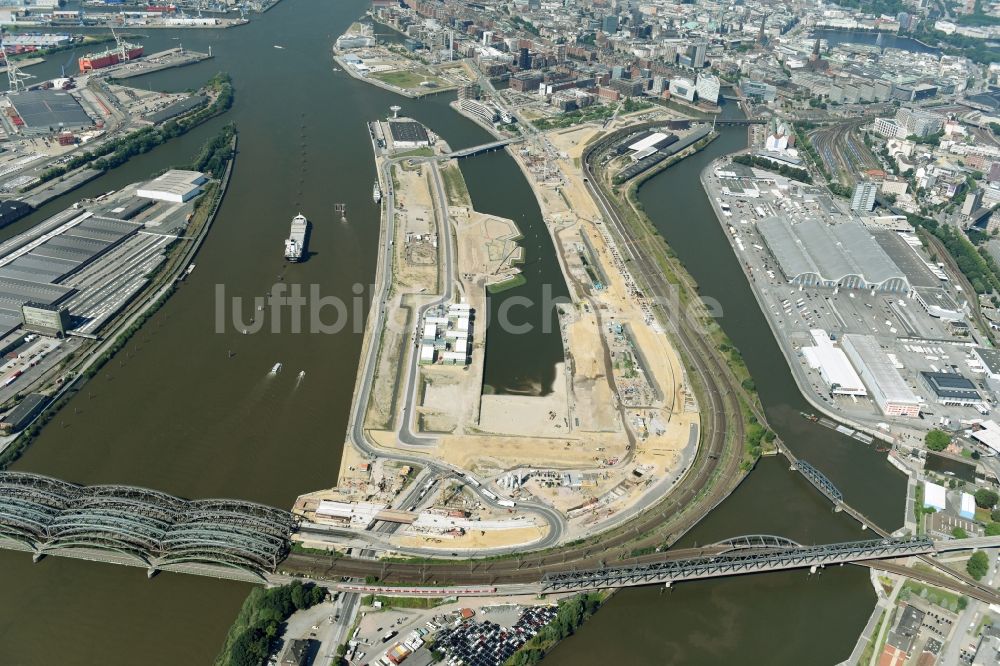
(177, 412)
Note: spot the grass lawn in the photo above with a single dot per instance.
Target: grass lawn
(938, 597)
(406, 79)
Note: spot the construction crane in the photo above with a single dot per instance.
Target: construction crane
(15, 77)
(123, 46)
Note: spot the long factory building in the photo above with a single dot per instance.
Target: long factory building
(813, 253)
(79, 267)
(886, 385)
(861, 368)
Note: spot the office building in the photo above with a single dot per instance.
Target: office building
(918, 122)
(759, 90)
(863, 200)
(683, 88)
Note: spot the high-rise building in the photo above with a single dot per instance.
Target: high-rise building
(972, 201)
(863, 200)
(610, 24)
(697, 52)
(524, 59)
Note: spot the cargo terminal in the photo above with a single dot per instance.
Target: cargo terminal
(874, 330)
(66, 277)
(41, 112)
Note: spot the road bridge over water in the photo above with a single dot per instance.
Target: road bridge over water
(482, 148)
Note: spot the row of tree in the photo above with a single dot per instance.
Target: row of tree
(262, 621)
(216, 153)
(977, 266)
(784, 169)
(572, 613)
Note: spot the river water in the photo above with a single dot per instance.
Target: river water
(174, 412)
(734, 620)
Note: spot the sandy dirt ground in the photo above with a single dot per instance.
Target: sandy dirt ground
(580, 428)
(473, 539)
(486, 249)
(543, 416)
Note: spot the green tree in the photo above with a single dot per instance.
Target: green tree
(959, 533)
(937, 440)
(978, 565)
(992, 529)
(995, 515)
(986, 499)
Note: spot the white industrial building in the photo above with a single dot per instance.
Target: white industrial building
(447, 335)
(708, 88)
(359, 515)
(41, 41)
(988, 433)
(833, 365)
(812, 253)
(967, 507)
(934, 496)
(646, 146)
(885, 385)
(176, 186)
(938, 303)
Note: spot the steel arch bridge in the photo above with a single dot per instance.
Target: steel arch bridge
(151, 527)
(758, 542)
(671, 571)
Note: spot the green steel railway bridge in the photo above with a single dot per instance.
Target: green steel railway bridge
(139, 526)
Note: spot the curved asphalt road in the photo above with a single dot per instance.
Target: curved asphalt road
(356, 431)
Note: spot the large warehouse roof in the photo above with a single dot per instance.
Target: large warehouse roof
(42, 109)
(834, 254)
(879, 373)
(649, 141)
(176, 185)
(833, 365)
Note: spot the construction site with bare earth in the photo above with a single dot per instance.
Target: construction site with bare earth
(617, 431)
